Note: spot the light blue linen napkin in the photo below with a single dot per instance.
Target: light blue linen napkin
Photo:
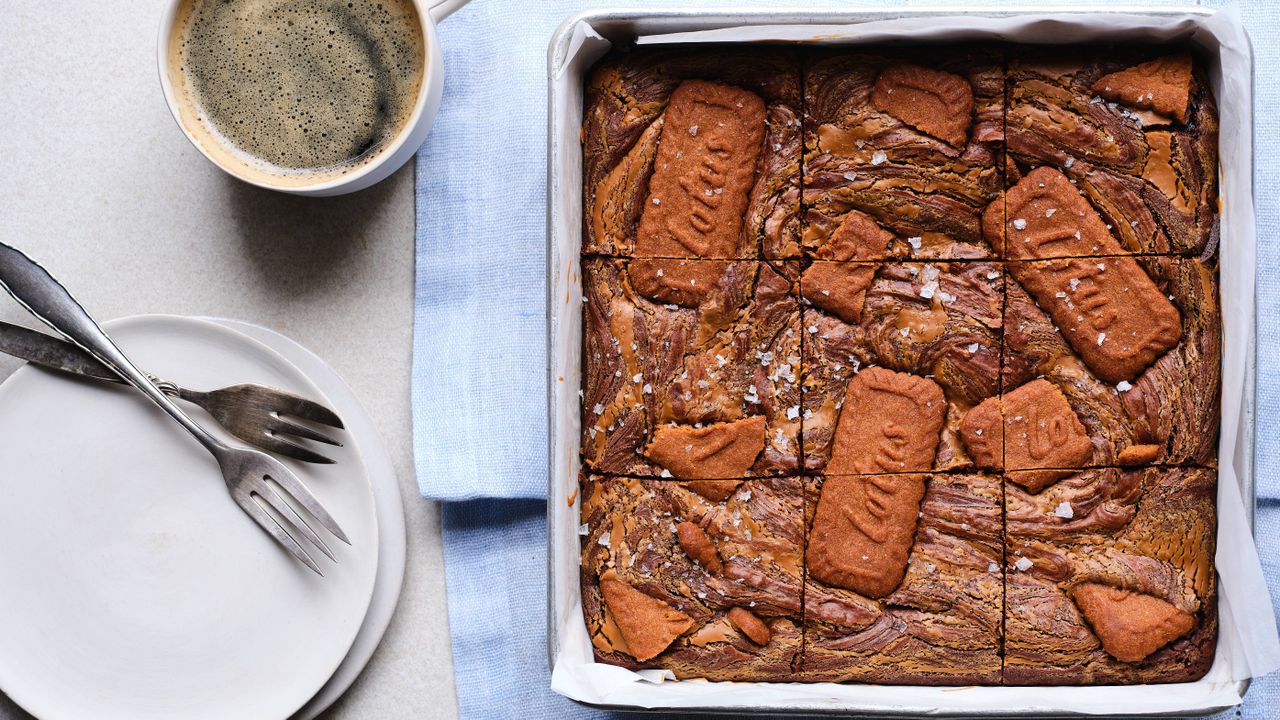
(479, 348)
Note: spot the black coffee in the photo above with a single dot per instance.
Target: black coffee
(302, 88)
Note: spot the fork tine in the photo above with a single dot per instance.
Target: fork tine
(292, 428)
(287, 403)
(269, 523)
(299, 493)
(293, 518)
(280, 446)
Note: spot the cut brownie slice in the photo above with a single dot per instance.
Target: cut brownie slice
(691, 368)
(931, 330)
(1118, 364)
(902, 152)
(1110, 578)
(1135, 129)
(904, 581)
(705, 585)
(693, 154)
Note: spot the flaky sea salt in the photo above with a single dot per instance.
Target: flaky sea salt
(598, 409)
(665, 473)
(1019, 224)
(1064, 511)
(583, 529)
(1102, 337)
(693, 130)
(993, 568)
(793, 412)
(973, 348)
(637, 378)
(1023, 564)
(878, 157)
(915, 242)
(1124, 386)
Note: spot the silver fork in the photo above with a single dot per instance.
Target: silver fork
(255, 414)
(263, 487)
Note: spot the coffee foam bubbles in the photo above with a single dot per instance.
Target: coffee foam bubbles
(297, 90)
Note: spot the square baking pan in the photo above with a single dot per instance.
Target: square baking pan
(581, 40)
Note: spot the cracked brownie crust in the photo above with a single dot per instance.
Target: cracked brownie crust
(901, 365)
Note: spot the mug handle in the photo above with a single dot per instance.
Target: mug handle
(441, 9)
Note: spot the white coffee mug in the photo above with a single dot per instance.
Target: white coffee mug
(389, 159)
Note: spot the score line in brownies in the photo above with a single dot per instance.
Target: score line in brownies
(693, 154)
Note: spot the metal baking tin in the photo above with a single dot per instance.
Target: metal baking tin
(564, 328)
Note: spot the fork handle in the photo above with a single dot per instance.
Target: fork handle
(40, 293)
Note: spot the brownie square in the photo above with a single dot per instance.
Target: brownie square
(692, 368)
(902, 151)
(712, 133)
(904, 582)
(703, 579)
(935, 325)
(1134, 128)
(1110, 578)
(1117, 364)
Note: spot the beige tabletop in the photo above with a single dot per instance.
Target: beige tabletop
(102, 188)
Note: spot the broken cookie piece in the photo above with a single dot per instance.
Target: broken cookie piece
(1032, 426)
(713, 451)
(1163, 85)
(647, 624)
(932, 101)
(1130, 625)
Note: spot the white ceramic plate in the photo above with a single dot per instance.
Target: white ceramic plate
(386, 498)
(133, 586)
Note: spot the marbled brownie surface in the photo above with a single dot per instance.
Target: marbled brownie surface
(901, 365)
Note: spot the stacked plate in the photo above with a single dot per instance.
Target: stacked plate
(132, 586)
